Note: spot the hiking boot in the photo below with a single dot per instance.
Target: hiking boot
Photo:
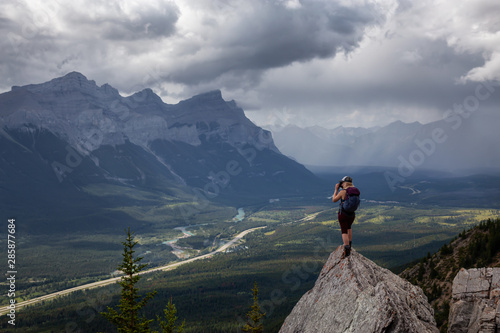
(347, 251)
(350, 243)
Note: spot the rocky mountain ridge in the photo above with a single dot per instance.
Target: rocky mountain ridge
(61, 137)
(447, 144)
(89, 116)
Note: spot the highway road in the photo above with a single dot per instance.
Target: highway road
(4, 310)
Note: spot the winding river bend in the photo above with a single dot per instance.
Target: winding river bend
(178, 250)
(185, 233)
(102, 283)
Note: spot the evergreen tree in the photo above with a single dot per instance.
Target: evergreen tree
(446, 249)
(421, 272)
(127, 319)
(254, 316)
(170, 315)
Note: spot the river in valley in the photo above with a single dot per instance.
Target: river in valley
(180, 251)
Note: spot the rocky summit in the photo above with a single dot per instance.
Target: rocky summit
(475, 305)
(354, 294)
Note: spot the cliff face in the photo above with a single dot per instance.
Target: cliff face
(435, 273)
(356, 295)
(475, 305)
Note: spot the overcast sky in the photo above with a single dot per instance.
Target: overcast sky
(304, 62)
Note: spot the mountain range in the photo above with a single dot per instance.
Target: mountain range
(459, 142)
(61, 136)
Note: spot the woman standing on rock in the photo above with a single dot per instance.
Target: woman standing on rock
(349, 202)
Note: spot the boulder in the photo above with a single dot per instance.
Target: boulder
(475, 304)
(354, 294)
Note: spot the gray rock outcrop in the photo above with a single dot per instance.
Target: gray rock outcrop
(356, 295)
(475, 305)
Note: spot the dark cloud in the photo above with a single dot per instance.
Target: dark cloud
(145, 23)
(332, 62)
(97, 38)
(269, 35)
(407, 79)
(348, 21)
(5, 22)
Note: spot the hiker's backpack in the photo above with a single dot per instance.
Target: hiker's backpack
(351, 202)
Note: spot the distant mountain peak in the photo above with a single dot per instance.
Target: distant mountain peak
(75, 75)
(207, 97)
(399, 123)
(73, 81)
(213, 94)
(79, 132)
(70, 106)
(146, 95)
(212, 104)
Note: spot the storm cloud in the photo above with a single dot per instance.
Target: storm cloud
(354, 63)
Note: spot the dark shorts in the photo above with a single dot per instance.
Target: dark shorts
(346, 221)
